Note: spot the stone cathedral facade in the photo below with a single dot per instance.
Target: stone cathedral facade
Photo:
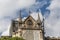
(29, 29)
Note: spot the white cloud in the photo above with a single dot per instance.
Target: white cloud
(4, 23)
(9, 8)
(26, 3)
(52, 22)
(6, 32)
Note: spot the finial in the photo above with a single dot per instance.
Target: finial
(39, 21)
(20, 14)
(20, 18)
(29, 12)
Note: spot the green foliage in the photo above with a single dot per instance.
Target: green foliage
(9, 38)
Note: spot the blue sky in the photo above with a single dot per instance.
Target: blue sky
(50, 9)
(40, 4)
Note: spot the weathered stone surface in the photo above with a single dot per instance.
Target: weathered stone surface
(29, 29)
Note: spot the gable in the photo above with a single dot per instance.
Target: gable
(29, 22)
(30, 18)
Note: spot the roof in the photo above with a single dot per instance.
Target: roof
(29, 17)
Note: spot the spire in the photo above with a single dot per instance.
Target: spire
(29, 12)
(43, 30)
(43, 22)
(39, 21)
(20, 14)
(20, 18)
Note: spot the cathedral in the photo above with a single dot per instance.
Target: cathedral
(29, 28)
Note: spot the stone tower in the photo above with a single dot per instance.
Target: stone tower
(29, 29)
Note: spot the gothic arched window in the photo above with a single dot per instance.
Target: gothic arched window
(29, 22)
